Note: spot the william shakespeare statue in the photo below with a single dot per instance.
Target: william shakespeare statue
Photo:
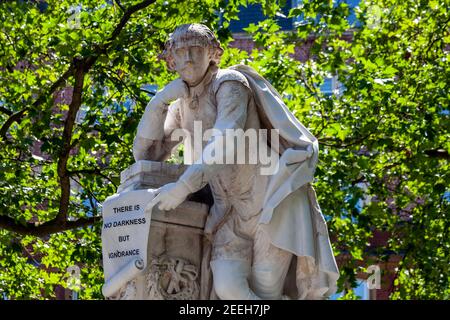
(264, 221)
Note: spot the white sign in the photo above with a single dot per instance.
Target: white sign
(126, 226)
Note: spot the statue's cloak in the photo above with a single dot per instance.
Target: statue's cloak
(291, 214)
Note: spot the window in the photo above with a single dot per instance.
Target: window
(253, 13)
(352, 21)
(352, 4)
(331, 85)
(361, 290)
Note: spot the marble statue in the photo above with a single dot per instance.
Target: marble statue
(261, 226)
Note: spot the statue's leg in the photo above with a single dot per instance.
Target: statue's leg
(270, 267)
(231, 280)
(232, 257)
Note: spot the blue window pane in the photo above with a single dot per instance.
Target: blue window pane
(360, 290)
(128, 104)
(447, 196)
(352, 17)
(327, 86)
(336, 296)
(253, 14)
(87, 204)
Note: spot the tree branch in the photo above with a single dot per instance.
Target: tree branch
(345, 145)
(351, 143)
(6, 111)
(119, 5)
(115, 80)
(49, 227)
(88, 62)
(16, 117)
(91, 195)
(95, 171)
(78, 68)
(13, 118)
(126, 16)
(438, 153)
(67, 137)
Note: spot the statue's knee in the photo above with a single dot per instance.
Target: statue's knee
(266, 278)
(230, 280)
(224, 288)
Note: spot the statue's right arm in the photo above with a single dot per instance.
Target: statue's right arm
(153, 138)
(152, 141)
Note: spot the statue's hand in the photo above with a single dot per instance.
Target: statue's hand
(171, 195)
(173, 91)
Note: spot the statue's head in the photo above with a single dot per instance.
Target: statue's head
(190, 50)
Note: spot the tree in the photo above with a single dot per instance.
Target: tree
(385, 130)
(57, 59)
(70, 101)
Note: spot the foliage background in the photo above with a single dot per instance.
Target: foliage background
(387, 128)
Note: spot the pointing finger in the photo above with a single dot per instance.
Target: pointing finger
(155, 200)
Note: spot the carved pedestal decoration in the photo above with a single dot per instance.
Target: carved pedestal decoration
(176, 245)
(172, 279)
(175, 242)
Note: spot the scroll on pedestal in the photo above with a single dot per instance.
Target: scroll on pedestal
(149, 253)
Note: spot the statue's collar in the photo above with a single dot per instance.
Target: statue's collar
(197, 91)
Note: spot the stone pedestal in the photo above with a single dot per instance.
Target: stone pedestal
(176, 244)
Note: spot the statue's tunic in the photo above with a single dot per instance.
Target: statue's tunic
(221, 101)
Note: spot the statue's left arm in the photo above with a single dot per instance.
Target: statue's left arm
(232, 99)
(232, 102)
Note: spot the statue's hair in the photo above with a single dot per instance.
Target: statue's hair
(192, 34)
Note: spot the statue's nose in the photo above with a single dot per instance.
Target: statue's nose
(188, 56)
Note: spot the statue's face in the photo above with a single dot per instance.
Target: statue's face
(191, 63)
